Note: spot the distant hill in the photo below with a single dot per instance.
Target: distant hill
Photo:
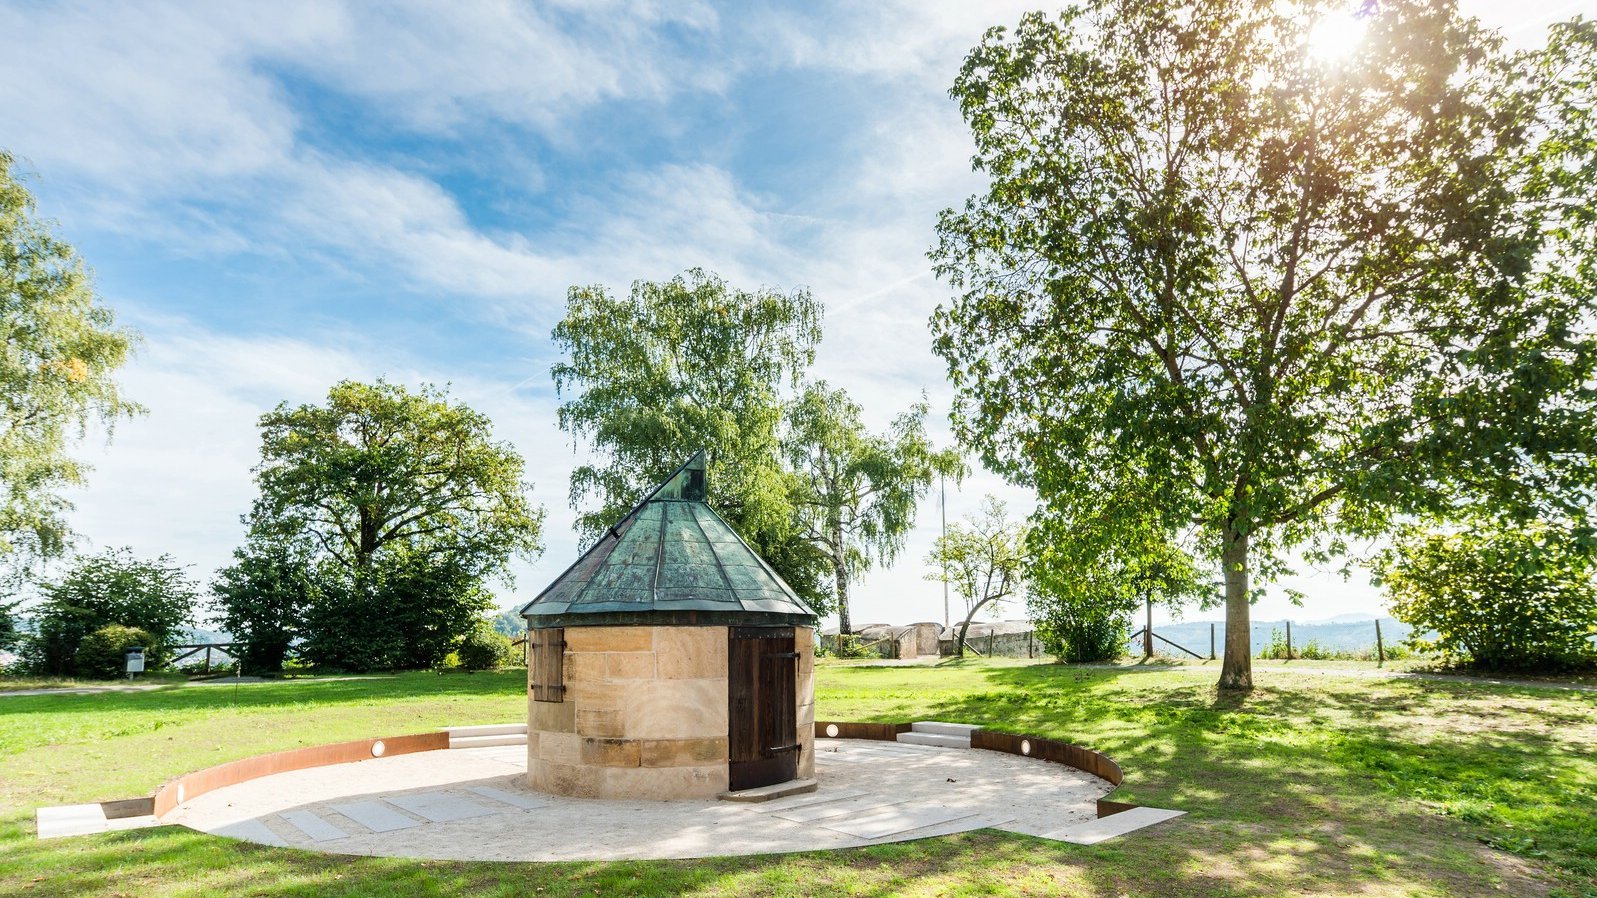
(1336, 635)
(510, 622)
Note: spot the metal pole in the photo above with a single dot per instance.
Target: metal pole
(1211, 642)
(1289, 640)
(1380, 647)
(942, 486)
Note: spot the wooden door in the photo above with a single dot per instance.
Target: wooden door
(762, 684)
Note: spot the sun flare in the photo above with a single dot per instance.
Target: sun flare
(1337, 35)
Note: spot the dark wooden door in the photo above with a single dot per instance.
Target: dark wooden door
(762, 682)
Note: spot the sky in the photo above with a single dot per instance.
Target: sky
(281, 196)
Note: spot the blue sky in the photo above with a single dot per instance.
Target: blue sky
(283, 195)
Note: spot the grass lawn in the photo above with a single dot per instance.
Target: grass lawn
(1312, 785)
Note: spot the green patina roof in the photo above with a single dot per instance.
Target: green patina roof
(670, 560)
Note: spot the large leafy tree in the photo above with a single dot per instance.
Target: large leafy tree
(856, 491)
(409, 505)
(261, 599)
(682, 365)
(62, 346)
(1278, 295)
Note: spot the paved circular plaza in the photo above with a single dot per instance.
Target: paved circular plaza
(472, 804)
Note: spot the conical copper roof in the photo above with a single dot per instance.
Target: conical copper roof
(670, 561)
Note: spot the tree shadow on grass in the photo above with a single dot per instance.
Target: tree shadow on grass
(1323, 772)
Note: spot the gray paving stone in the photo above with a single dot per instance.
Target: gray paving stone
(799, 801)
(520, 800)
(251, 831)
(1092, 832)
(848, 806)
(439, 807)
(314, 827)
(900, 819)
(376, 816)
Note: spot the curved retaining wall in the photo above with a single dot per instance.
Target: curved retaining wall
(200, 782)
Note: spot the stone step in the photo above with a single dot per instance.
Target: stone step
(770, 793)
(491, 729)
(487, 741)
(944, 729)
(935, 739)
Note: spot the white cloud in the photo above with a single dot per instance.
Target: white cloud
(179, 125)
(178, 479)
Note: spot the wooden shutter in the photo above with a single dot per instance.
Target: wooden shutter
(548, 664)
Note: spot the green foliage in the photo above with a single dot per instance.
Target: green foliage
(984, 560)
(485, 648)
(62, 347)
(1092, 566)
(855, 491)
(510, 622)
(379, 466)
(261, 599)
(1272, 295)
(407, 613)
(102, 654)
(847, 646)
(1499, 598)
(1078, 628)
(1311, 650)
(113, 587)
(10, 631)
(406, 506)
(682, 365)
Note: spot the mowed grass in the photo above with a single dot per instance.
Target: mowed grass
(1312, 785)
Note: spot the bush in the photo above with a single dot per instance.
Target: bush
(486, 649)
(103, 653)
(153, 596)
(1501, 599)
(1079, 632)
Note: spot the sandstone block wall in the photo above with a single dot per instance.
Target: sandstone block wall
(645, 714)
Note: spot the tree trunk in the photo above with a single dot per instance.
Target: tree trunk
(1236, 671)
(844, 625)
(964, 626)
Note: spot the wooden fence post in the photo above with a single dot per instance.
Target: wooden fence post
(1289, 640)
(1380, 647)
(1211, 642)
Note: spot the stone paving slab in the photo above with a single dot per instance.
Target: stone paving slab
(1091, 832)
(314, 827)
(376, 816)
(440, 807)
(251, 831)
(527, 801)
(848, 806)
(899, 819)
(808, 798)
